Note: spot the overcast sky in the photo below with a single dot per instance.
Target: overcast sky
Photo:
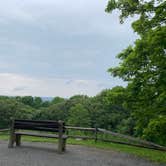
(59, 47)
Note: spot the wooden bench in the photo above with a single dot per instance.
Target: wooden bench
(25, 127)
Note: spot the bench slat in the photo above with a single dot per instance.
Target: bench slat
(40, 135)
(37, 121)
(38, 125)
(36, 128)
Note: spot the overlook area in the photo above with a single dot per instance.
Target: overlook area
(39, 154)
(86, 74)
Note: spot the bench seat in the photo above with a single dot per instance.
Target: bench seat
(40, 134)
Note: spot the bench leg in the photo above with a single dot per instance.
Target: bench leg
(18, 140)
(12, 135)
(64, 145)
(60, 145)
(11, 140)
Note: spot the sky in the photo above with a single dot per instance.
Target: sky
(59, 48)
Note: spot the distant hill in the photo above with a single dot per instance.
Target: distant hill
(47, 98)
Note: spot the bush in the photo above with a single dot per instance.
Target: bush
(156, 130)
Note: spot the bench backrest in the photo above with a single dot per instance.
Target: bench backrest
(39, 125)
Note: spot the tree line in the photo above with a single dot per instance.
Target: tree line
(111, 109)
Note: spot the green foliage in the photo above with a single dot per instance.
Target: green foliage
(109, 108)
(144, 64)
(79, 116)
(155, 130)
(37, 102)
(127, 126)
(57, 100)
(11, 108)
(45, 104)
(53, 112)
(150, 14)
(78, 99)
(28, 100)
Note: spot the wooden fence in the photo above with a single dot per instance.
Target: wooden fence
(96, 134)
(98, 131)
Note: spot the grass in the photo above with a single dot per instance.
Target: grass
(153, 155)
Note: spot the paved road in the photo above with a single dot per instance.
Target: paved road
(44, 154)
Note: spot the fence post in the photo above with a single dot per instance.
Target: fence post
(12, 135)
(67, 131)
(96, 134)
(60, 141)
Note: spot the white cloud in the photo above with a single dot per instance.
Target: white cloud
(15, 84)
(59, 39)
(30, 10)
(6, 65)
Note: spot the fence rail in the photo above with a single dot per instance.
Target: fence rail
(80, 128)
(2, 130)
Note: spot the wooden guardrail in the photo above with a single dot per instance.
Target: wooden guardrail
(132, 140)
(96, 131)
(140, 142)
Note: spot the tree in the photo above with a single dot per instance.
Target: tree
(37, 102)
(156, 130)
(144, 64)
(78, 99)
(11, 108)
(151, 13)
(79, 116)
(28, 100)
(53, 112)
(57, 100)
(109, 108)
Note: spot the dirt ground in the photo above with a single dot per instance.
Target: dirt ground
(45, 154)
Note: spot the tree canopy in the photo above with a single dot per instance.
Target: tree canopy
(143, 65)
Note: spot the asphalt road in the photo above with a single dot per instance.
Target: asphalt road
(45, 154)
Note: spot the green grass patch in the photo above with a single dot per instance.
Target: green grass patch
(153, 155)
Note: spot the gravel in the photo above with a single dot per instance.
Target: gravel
(45, 154)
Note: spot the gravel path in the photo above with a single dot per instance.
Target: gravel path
(45, 154)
